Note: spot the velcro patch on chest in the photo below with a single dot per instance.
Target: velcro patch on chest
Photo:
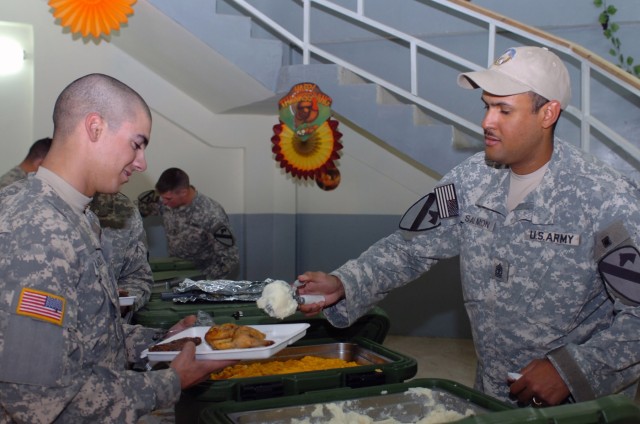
(479, 222)
(552, 237)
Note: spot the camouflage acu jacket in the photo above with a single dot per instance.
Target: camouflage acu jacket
(63, 348)
(531, 286)
(199, 232)
(14, 174)
(124, 244)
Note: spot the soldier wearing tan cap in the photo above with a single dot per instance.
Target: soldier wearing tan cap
(547, 240)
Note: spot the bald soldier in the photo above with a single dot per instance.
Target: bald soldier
(64, 351)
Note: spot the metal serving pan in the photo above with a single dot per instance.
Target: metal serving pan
(409, 402)
(377, 365)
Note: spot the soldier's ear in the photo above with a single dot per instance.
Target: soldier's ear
(551, 113)
(94, 125)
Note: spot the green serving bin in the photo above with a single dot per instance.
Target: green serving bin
(390, 401)
(169, 268)
(613, 409)
(377, 365)
(378, 402)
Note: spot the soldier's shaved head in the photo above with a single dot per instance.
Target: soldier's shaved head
(114, 101)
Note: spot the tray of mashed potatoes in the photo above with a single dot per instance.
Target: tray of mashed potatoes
(420, 401)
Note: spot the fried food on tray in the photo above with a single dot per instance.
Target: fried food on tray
(222, 331)
(174, 345)
(232, 336)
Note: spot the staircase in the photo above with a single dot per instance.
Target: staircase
(424, 130)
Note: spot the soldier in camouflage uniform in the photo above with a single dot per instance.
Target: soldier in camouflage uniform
(197, 226)
(64, 351)
(124, 245)
(35, 156)
(532, 238)
(125, 240)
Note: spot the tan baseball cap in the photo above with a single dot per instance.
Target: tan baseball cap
(522, 69)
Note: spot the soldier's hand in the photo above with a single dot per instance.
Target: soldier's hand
(184, 324)
(320, 283)
(192, 371)
(540, 385)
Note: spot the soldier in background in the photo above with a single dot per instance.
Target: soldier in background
(124, 245)
(197, 226)
(35, 156)
(64, 351)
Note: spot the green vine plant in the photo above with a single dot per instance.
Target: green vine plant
(609, 30)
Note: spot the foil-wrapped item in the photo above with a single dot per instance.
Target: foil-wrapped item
(219, 290)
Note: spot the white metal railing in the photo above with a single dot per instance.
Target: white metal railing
(495, 24)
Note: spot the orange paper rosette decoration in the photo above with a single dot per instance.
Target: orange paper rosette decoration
(93, 17)
(311, 157)
(306, 142)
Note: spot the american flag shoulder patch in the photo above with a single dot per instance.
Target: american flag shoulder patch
(447, 200)
(41, 305)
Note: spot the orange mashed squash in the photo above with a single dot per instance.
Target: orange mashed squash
(257, 369)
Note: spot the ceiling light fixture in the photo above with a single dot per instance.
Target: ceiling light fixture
(11, 56)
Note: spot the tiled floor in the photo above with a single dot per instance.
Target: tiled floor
(453, 359)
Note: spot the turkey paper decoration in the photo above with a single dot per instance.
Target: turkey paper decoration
(306, 142)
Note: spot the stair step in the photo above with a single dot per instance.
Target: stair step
(229, 35)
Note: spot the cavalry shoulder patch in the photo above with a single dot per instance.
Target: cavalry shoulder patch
(41, 305)
(422, 215)
(224, 236)
(620, 269)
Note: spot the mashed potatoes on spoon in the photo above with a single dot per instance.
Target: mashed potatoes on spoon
(278, 300)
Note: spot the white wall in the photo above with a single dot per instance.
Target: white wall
(228, 156)
(16, 95)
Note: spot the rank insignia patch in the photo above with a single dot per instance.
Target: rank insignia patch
(40, 305)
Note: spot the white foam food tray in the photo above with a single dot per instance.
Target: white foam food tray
(282, 336)
(127, 300)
